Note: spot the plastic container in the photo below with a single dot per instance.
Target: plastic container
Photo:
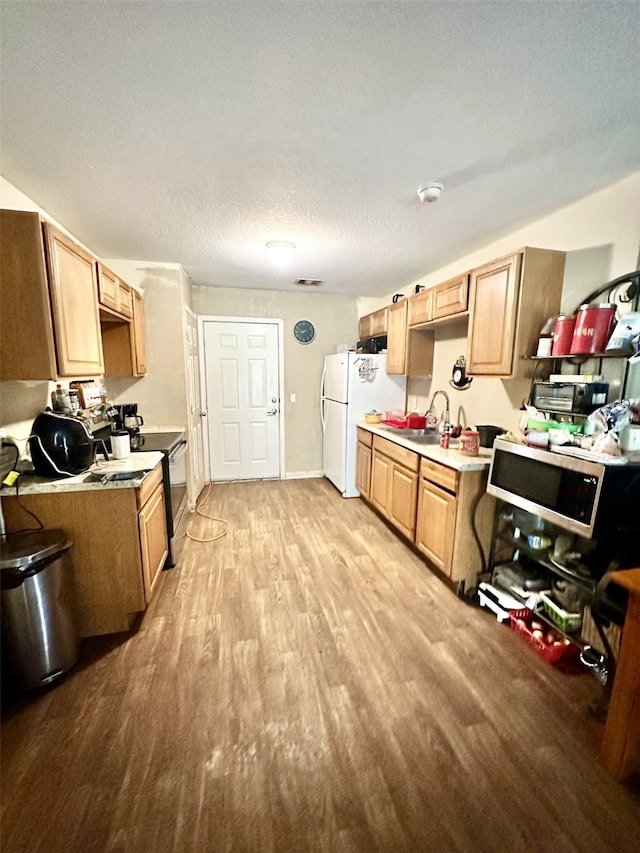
(593, 327)
(469, 442)
(563, 334)
(564, 619)
(521, 624)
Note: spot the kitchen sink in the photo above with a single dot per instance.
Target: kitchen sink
(424, 437)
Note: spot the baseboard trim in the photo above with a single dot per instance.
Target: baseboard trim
(302, 475)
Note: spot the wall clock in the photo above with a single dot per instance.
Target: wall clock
(304, 331)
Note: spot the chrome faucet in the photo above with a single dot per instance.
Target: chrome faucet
(446, 414)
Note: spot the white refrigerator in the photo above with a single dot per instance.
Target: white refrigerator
(352, 385)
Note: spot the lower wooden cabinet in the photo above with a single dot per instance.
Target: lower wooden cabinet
(394, 480)
(153, 540)
(363, 463)
(118, 546)
(431, 504)
(444, 530)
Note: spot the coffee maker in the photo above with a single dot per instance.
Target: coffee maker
(126, 417)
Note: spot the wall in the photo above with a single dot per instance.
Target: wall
(601, 235)
(335, 320)
(161, 394)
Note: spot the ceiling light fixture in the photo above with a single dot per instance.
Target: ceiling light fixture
(280, 252)
(430, 192)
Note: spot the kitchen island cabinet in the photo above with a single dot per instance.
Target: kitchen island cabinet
(119, 544)
(50, 326)
(511, 299)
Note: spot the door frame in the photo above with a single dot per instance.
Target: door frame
(192, 493)
(216, 318)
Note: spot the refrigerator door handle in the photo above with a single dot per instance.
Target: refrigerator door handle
(322, 420)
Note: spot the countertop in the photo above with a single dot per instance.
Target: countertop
(452, 458)
(142, 462)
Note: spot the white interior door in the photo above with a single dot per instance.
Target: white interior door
(242, 381)
(195, 411)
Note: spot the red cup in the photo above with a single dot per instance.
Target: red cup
(592, 329)
(563, 334)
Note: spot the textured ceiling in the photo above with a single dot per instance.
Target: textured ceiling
(194, 132)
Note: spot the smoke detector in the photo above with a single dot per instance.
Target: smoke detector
(430, 192)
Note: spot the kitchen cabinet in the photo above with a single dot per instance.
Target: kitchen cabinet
(119, 546)
(139, 339)
(421, 307)
(363, 462)
(450, 297)
(510, 300)
(49, 323)
(114, 294)
(409, 350)
(394, 482)
(373, 325)
(444, 533)
(123, 341)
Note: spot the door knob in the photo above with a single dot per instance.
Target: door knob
(203, 414)
(271, 412)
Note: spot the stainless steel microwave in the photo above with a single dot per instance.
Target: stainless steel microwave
(580, 495)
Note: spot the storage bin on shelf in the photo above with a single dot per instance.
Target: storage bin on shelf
(564, 619)
(553, 654)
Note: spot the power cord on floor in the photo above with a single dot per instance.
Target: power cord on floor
(222, 521)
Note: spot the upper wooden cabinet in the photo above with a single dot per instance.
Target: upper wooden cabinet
(510, 300)
(139, 339)
(124, 341)
(421, 307)
(373, 325)
(409, 351)
(114, 293)
(49, 324)
(450, 297)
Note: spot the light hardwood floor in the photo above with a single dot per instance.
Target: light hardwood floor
(308, 684)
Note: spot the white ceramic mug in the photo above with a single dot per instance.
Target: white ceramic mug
(120, 444)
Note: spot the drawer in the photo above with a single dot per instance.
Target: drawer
(440, 474)
(149, 484)
(398, 454)
(365, 437)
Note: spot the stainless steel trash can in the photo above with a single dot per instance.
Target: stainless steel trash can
(39, 630)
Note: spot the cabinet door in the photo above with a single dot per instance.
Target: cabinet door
(403, 499)
(125, 301)
(107, 287)
(73, 287)
(451, 297)
(397, 338)
(364, 327)
(152, 524)
(492, 326)
(363, 469)
(421, 307)
(435, 528)
(380, 481)
(379, 322)
(139, 340)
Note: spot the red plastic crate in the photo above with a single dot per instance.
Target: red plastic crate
(521, 624)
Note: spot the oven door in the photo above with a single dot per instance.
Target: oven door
(177, 458)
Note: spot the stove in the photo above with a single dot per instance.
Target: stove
(173, 445)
